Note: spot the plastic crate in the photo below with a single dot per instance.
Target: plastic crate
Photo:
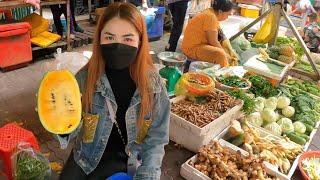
(156, 27)
(193, 137)
(249, 11)
(10, 136)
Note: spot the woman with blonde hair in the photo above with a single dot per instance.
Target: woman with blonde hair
(120, 87)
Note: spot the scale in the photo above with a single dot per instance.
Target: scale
(173, 63)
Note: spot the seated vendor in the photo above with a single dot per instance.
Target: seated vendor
(203, 38)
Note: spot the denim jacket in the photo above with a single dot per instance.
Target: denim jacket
(151, 150)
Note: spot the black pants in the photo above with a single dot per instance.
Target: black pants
(178, 11)
(109, 164)
(58, 10)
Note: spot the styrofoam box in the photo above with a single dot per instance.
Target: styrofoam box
(270, 168)
(193, 137)
(257, 67)
(191, 173)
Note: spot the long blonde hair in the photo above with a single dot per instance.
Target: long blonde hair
(139, 69)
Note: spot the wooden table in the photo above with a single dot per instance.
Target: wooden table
(8, 5)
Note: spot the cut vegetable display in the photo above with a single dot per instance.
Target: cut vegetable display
(218, 162)
(206, 110)
(277, 151)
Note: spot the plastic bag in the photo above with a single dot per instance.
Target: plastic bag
(28, 164)
(231, 71)
(240, 44)
(194, 84)
(72, 61)
(198, 66)
(267, 31)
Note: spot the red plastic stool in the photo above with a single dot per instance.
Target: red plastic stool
(10, 136)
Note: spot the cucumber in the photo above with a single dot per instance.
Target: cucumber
(304, 136)
(238, 140)
(295, 138)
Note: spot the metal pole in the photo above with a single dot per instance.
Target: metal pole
(300, 40)
(68, 26)
(250, 25)
(277, 14)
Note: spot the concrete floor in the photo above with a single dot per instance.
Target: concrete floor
(18, 90)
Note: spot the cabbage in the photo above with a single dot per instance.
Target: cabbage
(299, 127)
(271, 103)
(255, 119)
(288, 111)
(286, 125)
(269, 115)
(274, 128)
(283, 102)
(259, 104)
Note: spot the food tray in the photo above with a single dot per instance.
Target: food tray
(252, 65)
(191, 173)
(271, 169)
(193, 137)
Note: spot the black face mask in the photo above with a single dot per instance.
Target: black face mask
(118, 56)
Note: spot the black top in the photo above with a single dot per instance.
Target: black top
(123, 88)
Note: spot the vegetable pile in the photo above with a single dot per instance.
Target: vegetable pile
(219, 162)
(307, 86)
(276, 151)
(201, 114)
(283, 53)
(262, 87)
(290, 41)
(31, 167)
(248, 103)
(312, 167)
(233, 81)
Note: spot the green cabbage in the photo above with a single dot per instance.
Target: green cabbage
(299, 127)
(255, 119)
(274, 128)
(259, 104)
(288, 111)
(268, 115)
(283, 102)
(286, 125)
(271, 103)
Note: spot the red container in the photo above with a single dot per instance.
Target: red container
(305, 155)
(15, 44)
(10, 136)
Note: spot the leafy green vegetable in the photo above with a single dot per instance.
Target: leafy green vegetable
(290, 41)
(233, 81)
(305, 86)
(248, 103)
(262, 87)
(31, 167)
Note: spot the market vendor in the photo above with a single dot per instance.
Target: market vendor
(203, 38)
(121, 86)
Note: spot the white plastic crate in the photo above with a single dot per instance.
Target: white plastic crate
(193, 137)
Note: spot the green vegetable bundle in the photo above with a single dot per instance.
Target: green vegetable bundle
(307, 86)
(248, 103)
(262, 87)
(31, 166)
(233, 81)
(291, 41)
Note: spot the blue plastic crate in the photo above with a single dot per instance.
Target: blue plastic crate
(155, 24)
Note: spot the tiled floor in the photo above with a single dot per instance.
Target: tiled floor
(18, 90)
